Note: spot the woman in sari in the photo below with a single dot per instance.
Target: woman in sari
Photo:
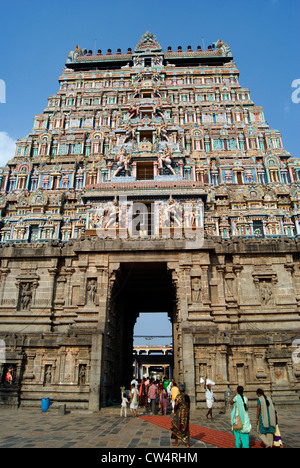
(180, 423)
(240, 414)
(142, 395)
(160, 391)
(265, 418)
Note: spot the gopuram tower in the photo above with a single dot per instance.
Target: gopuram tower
(150, 183)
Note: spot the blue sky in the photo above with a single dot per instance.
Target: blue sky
(153, 324)
(37, 36)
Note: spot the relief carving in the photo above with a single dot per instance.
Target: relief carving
(91, 291)
(196, 290)
(25, 296)
(266, 293)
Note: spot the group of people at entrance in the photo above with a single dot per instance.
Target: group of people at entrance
(160, 395)
(150, 394)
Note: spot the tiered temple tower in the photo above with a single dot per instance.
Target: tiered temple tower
(151, 182)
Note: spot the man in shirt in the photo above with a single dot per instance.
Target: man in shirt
(152, 395)
(166, 384)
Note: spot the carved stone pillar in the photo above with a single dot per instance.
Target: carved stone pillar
(4, 270)
(188, 364)
(68, 290)
(95, 378)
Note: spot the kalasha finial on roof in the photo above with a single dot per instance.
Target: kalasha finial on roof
(148, 43)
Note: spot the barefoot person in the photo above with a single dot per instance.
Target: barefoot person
(133, 400)
(181, 422)
(240, 420)
(210, 399)
(265, 418)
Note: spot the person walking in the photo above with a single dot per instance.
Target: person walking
(124, 404)
(152, 396)
(240, 420)
(180, 426)
(134, 382)
(160, 387)
(142, 395)
(210, 399)
(265, 418)
(133, 400)
(164, 400)
(169, 390)
(187, 398)
(166, 383)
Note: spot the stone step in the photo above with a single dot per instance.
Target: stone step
(285, 397)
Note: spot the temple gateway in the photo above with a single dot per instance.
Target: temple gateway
(150, 183)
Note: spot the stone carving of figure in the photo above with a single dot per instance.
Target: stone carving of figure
(123, 161)
(137, 61)
(196, 289)
(72, 56)
(96, 218)
(48, 375)
(26, 296)
(133, 111)
(82, 375)
(166, 159)
(223, 48)
(110, 215)
(130, 133)
(158, 60)
(157, 106)
(266, 292)
(162, 132)
(173, 212)
(92, 289)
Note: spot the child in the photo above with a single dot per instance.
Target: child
(164, 400)
(124, 405)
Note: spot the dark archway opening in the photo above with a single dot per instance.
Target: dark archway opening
(138, 288)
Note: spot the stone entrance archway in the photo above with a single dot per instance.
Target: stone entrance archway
(136, 287)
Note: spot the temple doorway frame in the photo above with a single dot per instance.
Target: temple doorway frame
(98, 385)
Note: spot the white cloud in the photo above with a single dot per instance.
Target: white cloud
(7, 148)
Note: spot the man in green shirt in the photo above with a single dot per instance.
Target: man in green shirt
(166, 383)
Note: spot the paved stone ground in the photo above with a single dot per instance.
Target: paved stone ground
(26, 428)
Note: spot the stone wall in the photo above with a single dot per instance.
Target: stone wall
(235, 317)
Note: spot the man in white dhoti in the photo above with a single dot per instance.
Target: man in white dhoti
(210, 399)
